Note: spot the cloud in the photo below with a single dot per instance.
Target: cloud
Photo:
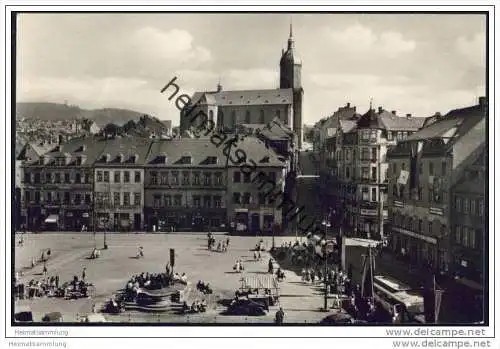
(173, 45)
(360, 39)
(473, 49)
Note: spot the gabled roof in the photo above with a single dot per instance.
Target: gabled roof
(389, 121)
(277, 130)
(347, 125)
(244, 97)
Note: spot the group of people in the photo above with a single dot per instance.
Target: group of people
(238, 266)
(95, 253)
(196, 307)
(222, 245)
(204, 287)
(38, 288)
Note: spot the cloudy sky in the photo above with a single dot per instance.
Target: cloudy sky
(411, 63)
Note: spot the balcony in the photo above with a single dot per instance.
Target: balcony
(398, 203)
(438, 211)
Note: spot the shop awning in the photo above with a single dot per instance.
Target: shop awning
(53, 218)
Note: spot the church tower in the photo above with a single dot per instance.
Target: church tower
(290, 77)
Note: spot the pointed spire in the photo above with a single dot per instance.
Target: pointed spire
(290, 38)
(371, 103)
(291, 31)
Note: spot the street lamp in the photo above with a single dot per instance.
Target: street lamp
(326, 224)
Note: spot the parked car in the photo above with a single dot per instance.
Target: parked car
(245, 307)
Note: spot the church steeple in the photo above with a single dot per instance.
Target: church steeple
(290, 38)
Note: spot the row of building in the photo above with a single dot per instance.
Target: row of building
(134, 183)
(418, 184)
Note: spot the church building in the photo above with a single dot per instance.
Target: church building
(255, 108)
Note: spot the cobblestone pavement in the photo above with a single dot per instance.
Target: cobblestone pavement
(301, 302)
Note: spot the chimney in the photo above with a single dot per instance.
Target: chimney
(408, 116)
(393, 112)
(380, 109)
(354, 108)
(437, 115)
(348, 105)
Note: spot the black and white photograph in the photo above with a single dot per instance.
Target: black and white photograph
(259, 168)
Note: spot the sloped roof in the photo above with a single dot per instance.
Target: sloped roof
(277, 130)
(396, 123)
(129, 147)
(201, 149)
(347, 125)
(244, 97)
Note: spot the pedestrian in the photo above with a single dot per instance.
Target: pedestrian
(48, 253)
(84, 273)
(57, 281)
(227, 242)
(43, 256)
(33, 263)
(44, 269)
(280, 315)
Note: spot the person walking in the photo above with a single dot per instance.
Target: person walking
(57, 281)
(84, 273)
(44, 269)
(280, 316)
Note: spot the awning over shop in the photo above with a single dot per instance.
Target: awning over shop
(53, 218)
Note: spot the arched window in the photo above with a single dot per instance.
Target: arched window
(262, 118)
(247, 117)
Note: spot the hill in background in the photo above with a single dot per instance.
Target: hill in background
(58, 112)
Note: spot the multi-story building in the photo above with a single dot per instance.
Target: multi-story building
(362, 168)
(422, 170)
(251, 206)
(58, 185)
(119, 184)
(228, 109)
(185, 185)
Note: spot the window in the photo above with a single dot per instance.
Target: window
(126, 199)
(420, 194)
(117, 176)
(365, 195)
(374, 174)
(389, 135)
(466, 205)
(207, 201)
(126, 176)
(211, 115)
(247, 117)
(154, 177)
(116, 199)
(87, 178)
(347, 155)
(480, 207)
(365, 172)
(421, 168)
(48, 177)
(473, 207)
(37, 197)
(218, 178)
(164, 178)
(246, 177)
(262, 199)
(347, 172)
(262, 118)
(37, 177)
(431, 169)
(27, 178)
(49, 197)
(27, 196)
(399, 136)
(458, 234)
(78, 177)
(420, 225)
(443, 168)
(365, 154)
(137, 176)
(374, 134)
(178, 200)
(207, 178)
(246, 198)
(374, 154)
(465, 236)
(196, 201)
(185, 178)
(137, 199)
(374, 194)
(66, 197)
(365, 135)
(175, 178)
(237, 177)
(156, 200)
(353, 155)
(236, 198)
(218, 201)
(66, 178)
(106, 176)
(196, 178)
(272, 176)
(167, 201)
(472, 238)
